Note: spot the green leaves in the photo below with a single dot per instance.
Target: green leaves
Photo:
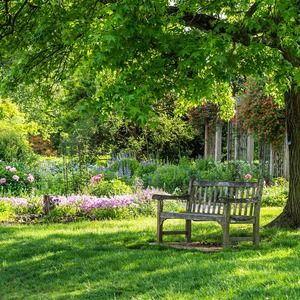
(194, 51)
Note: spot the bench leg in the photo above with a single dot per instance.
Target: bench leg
(256, 233)
(188, 229)
(160, 223)
(226, 240)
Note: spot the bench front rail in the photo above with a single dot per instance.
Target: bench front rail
(224, 202)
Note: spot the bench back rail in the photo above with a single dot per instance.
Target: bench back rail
(211, 197)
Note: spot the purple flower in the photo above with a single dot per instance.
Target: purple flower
(15, 202)
(2, 180)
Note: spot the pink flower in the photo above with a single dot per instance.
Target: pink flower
(2, 180)
(16, 177)
(13, 169)
(96, 178)
(248, 176)
(30, 178)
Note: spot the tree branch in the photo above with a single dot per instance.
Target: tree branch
(9, 26)
(241, 34)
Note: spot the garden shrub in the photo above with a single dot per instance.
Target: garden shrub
(109, 188)
(276, 194)
(14, 131)
(170, 178)
(14, 145)
(6, 211)
(146, 168)
(63, 212)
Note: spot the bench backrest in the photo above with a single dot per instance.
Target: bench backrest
(209, 197)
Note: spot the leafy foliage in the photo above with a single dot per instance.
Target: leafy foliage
(14, 131)
(110, 188)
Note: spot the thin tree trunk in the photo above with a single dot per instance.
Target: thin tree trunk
(290, 217)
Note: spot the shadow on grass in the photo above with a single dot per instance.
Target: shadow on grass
(45, 262)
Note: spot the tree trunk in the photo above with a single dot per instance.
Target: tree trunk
(290, 217)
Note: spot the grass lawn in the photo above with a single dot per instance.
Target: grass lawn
(114, 260)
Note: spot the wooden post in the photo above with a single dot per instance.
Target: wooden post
(226, 226)
(46, 204)
(188, 231)
(218, 141)
(159, 221)
(286, 170)
(229, 140)
(271, 161)
(206, 137)
(236, 145)
(250, 148)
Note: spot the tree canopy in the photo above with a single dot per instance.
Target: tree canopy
(140, 51)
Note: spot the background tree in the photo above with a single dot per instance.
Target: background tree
(194, 50)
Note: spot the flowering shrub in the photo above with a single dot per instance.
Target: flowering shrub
(14, 181)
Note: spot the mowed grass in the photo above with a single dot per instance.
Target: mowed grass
(115, 260)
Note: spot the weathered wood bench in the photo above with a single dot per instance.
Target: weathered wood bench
(223, 202)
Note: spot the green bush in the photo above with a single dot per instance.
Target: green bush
(170, 178)
(14, 131)
(14, 145)
(6, 211)
(63, 213)
(146, 168)
(227, 171)
(277, 194)
(109, 188)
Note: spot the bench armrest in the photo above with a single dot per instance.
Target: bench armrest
(237, 200)
(170, 197)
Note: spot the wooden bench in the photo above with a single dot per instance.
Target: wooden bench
(223, 202)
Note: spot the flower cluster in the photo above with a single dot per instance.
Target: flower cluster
(248, 177)
(15, 201)
(11, 169)
(7, 176)
(87, 203)
(97, 178)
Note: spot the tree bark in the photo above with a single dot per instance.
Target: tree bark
(290, 217)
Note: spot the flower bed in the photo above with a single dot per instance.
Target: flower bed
(82, 206)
